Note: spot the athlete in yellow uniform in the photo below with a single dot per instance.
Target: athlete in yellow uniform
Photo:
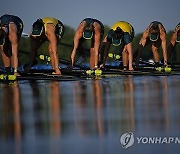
(121, 32)
(46, 29)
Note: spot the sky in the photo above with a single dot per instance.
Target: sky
(71, 12)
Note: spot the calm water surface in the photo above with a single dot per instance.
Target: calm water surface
(89, 116)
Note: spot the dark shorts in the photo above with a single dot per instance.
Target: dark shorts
(60, 29)
(128, 37)
(6, 19)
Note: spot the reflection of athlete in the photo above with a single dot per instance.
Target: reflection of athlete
(11, 28)
(46, 29)
(89, 28)
(156, 34)
(175, 39)
(120, 33)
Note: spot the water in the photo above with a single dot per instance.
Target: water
(89, 116)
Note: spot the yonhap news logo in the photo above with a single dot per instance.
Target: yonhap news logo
(128, 139)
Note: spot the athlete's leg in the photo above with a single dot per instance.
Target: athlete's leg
(6, 60)
(80, 48)
(92, 58)
(13, 38)
(53, 46)
(155, 53)
(125, 58)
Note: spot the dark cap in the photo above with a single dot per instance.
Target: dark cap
(38, 28)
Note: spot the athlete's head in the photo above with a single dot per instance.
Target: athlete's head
(154, 32)
(88, 30)
(38, 28)
(117, 36)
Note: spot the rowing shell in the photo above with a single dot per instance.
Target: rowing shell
(71, 75)
(37, 76)
(109, 72)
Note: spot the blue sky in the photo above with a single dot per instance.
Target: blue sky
(71, 12)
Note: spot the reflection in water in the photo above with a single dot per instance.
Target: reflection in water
(98, 99)
(154, 105)
(46, 109)
(53, 115)
(129, 102)
(55, 106)
(10, 114)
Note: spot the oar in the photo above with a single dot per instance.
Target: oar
(61, 60)
(173, 65)
(145, 63)
(159, 69)
(117, 57)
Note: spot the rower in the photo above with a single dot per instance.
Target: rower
(121, 33)
(46, 29)
(88, 29)
(175, 39)
(156, 35)
(11, 28)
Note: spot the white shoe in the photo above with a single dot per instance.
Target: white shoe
(151, 61)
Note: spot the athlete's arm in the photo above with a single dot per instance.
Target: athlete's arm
(104, 50)
(130, 55)
(172, 43)
(141, 45)
(77, 37)
(163, 39)
(97, 39)
(36, 42)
